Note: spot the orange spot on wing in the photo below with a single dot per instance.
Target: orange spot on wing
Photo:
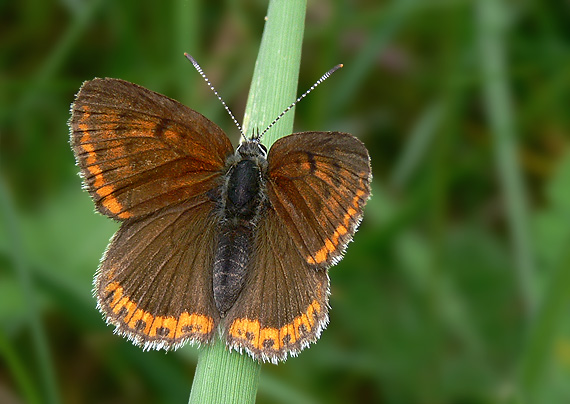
(105, 191)
(147, 318)
(156, 324)
(88, 147)
(99, 179)
(137, 315)
(117, 293)
(111, 203)
(90, 160)
(120, 304)
(94, 170)
(322, 255)
(287, 330)
(268, 333)
(302, 320)
(188, 323)
(124, 215)
(170, 323)
(183, 321)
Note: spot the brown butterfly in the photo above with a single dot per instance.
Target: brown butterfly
(211, 239)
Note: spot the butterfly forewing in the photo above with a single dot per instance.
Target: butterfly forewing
(318, 184)
(284, 304)
(155, 280)
(140, 151)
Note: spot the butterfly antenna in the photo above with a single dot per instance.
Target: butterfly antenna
(319, 81)
(199, 69)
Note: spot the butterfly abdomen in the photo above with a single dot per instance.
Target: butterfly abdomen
(232, 256)
(242, 200)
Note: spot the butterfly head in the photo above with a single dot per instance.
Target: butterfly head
(252, 148)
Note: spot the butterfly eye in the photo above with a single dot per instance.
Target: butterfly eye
(262, 149)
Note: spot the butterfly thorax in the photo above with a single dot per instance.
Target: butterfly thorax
(243, 199)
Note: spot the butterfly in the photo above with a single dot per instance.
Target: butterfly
(214, 241)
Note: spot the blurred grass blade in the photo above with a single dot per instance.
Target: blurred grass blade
(417, 145)
(185, 30)
(277, 390)
(21, 267)
(541, 341)
(18, 371)
(358, 69)
(554, 236)
(491, 21)
(59, 54)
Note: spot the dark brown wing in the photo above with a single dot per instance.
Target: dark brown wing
(283, 305)
(140, 151)
(155, 280)
(318, 184)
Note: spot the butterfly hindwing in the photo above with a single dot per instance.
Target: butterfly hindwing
(283, 306)
(318, 184)
(140, 151)
(155, 280)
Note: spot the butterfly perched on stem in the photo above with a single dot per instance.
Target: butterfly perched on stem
(212, 240)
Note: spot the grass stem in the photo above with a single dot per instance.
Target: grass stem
(223, 376)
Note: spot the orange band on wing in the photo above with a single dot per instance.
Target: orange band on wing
(250, 332)
(331, 244)
(104, 191)
(138, 320)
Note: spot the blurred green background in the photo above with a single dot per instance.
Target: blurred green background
(456, 287)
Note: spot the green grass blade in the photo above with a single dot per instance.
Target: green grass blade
(274, 83)
(17, 369)
(420, 141)
(224, 376)
(491, 26)
(543, 333)
(230, 377)
(21, 266)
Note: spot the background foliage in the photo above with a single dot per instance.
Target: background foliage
(456, 287)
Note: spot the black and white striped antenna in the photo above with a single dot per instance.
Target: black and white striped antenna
(319, 81)
(199, 69)
(258, 136)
